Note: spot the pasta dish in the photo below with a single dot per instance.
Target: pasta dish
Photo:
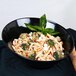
(37, 46)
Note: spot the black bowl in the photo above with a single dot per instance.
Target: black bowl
(13, 29)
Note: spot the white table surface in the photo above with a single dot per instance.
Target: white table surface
(60, 11)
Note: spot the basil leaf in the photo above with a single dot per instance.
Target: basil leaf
(42, 26)
(30, 27)
(44, 32)
(23, 46)
(43, 21)
(49, 29)
(50, 42)
(32, 56)
(33, 28)
(54, 33)
(56, 56)
(38, 28)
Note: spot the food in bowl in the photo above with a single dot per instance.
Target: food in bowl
(40, 44)
(15, 28)
(37, 46)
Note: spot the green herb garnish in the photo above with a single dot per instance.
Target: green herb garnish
(43, 21)
(23, 46)
(50, 42)
(42, 27)
(56, 56)
(32, 56)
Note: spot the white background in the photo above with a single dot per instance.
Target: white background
(60, 11)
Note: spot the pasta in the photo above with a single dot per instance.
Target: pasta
(37, 46)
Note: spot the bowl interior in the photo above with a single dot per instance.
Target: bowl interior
(13, 29)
